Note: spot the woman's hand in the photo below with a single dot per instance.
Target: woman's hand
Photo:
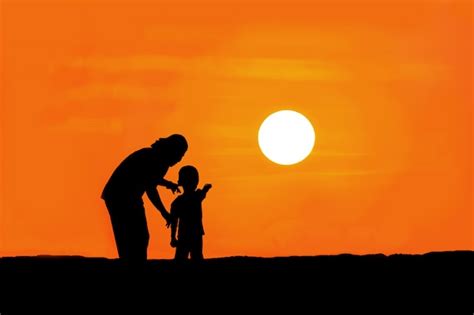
(167, 216)
(174, 242)
(173, 187)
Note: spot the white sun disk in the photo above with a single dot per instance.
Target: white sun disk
(286, 137)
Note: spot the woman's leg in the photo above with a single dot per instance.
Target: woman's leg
(138, 235)
(130, 231)
(119, 227)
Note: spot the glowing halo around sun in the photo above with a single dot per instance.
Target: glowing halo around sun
(286, 137)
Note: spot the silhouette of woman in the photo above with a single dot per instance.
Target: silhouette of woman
(140, 172)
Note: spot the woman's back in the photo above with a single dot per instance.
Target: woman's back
(139, 171)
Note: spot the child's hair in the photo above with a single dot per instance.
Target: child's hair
(188, 175)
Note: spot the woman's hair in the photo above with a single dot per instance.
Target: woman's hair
(173, 144)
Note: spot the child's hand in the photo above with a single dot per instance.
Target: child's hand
(207, 187)
(174, 242)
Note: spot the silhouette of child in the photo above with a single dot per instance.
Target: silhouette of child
(186, 216)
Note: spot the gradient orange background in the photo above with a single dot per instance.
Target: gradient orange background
(387, 85)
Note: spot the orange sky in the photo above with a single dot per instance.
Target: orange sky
(388, 87)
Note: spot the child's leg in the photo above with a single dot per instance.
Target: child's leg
(196, 249)
(182, 251)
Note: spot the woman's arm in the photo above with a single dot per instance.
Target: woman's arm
(170, 185)
(174, 224)
(155, 199)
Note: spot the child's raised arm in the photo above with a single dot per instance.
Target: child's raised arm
(204, 190)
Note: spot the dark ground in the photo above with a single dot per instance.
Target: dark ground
(439, 280)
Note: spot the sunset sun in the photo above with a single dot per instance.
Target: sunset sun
(286, 137)
(323, 127)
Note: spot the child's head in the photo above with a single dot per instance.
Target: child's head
(188, 177)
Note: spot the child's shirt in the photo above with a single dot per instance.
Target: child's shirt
(188, 209)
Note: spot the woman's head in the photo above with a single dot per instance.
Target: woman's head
(172, 148)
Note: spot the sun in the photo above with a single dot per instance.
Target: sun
(286, 137)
